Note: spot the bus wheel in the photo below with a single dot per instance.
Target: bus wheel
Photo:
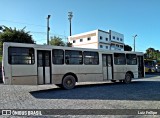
(68, 82)
(128, 78)
(113, 80)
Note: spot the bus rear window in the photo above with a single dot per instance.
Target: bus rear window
(21, 56)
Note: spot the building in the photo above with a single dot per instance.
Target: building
(98, 39)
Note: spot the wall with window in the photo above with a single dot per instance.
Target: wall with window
(98, 39)
(103, 37)
(104, 46)
(116, 46)
(81, 40)
(116, 37)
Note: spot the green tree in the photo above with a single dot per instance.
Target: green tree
(127, 48)
(14, 35)
(68, 44)
(57, 41)
(152, 53)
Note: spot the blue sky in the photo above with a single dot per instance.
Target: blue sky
(129, 17)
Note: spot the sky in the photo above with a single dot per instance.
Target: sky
(128, 17)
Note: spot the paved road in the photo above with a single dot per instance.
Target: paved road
(140, 94)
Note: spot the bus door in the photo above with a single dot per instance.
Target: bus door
(44, 66)
(107, 66)
(140, 66)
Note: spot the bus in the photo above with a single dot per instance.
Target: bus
(32, 64)
(150, 65)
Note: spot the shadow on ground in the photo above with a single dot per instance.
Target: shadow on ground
(137, 90)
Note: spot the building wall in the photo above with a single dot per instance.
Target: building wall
(116, 37)
(85, 40)
(117, 40)
(98, 39)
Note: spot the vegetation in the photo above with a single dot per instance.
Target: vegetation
(127, 48)
(153, 54)
(57, 41)
(14, 35)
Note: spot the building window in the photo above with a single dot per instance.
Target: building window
(58, 56)
(73, 57)
(21, 56)
(101, 46)
(101, 37)
(121, 39)
(106, 39)
(91, 58)
(117, 45)
(113, 37)
(117, 38)
(74, 41)
(106, 47)
(89, 38)
(121, 46)
(119, 59)
(81, 40)
(131, 59)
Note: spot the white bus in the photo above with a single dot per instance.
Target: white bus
(32, 64)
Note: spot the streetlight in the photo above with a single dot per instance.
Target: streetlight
(134, 41)
(48, 29)
(70, 15)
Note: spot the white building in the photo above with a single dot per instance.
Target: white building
(98, 39)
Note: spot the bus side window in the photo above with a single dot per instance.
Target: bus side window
(58, 56)
(119, 59)
(91, 58)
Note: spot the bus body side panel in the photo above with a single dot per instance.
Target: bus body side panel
(18, 74)
(83, 73)
(133, 69)
(24, 75)
(119, 72)
(6, 68)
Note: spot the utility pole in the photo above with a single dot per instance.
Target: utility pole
(48, 29)
(70, 15)
(134, 41)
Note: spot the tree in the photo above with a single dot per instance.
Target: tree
(127, 48)
(14, 35)
(151, 53)
(68, 44)
(57, 41)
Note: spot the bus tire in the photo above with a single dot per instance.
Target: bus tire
(68, 82)
(128, 78)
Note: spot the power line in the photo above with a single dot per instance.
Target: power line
(24, 23)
